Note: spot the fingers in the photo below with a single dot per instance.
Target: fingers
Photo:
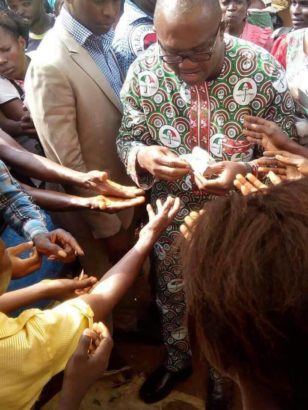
(253, 136)
(287, 160)
(256, 123)
(214, 169)
(217, 183)
(174, 208)
(45, 245)
(202, 184)
(84, 283)
(170, 174)
(243, 185)
(200, 180)
(150, 212)
(172, 161)
(116, 204)
(121, 191)
(102, 176)
(268, 164)
(159, 204)
(278, 170)
(189, 223)
(104, 349)
(83, 344)
(18, 249)
(169, 208)
(256, 182)
(248, 185)
(275, 180)
(65, 238)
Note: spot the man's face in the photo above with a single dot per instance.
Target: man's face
(299, 13)
(191, 36)
(97, 15)
(29, 10)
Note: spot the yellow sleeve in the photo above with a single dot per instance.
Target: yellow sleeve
(36, 346)
(63, 326)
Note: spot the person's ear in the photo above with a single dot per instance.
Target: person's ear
(22, 43)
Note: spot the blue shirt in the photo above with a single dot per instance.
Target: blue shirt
(99, 48)
(17, 209)
(134, 33)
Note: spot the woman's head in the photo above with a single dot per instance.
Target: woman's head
(234, 13)
(13, 41)
(299, 13)
(246, 283)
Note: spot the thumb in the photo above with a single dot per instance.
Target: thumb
(104, 348)
(16, 250)
(84, 283)
(213, 169)
(83, 344)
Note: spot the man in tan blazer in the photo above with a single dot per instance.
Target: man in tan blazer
(72, 90)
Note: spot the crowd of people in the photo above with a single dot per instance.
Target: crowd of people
(198, 107)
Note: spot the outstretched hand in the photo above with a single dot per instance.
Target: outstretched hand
(24, 266)
(250, 184)
(63, 289)
(187, 228)
(99, 182)
(265, 133)
(225, 173)
(160, 220)
(113, 204)
(295, 163)
(58, 245)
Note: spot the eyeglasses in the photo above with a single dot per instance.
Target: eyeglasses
(196, 57)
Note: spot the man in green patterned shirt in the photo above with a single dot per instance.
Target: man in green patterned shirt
(192, 89)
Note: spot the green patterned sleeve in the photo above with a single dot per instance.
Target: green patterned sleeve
(280, 107)
(134, 132)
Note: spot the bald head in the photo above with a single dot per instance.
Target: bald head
(188, 27)
(181, 8)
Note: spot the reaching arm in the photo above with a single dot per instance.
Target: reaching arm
(58, 289)
(44, 169)
(120, 277)
(60, 201)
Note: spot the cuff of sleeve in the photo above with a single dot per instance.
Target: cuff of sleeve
(251, 168)
(34, 227)
(145, 181)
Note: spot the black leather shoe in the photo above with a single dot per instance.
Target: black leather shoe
(219, 392)
(160, 383)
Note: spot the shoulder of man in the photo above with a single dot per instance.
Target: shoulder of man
(239, 49)
(147, 60)
(52, 49)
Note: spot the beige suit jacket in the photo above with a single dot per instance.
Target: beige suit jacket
(77, 116)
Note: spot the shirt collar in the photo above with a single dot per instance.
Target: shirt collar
(83, 35)
(134, 11)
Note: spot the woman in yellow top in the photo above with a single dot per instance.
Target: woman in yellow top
(38, 344)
